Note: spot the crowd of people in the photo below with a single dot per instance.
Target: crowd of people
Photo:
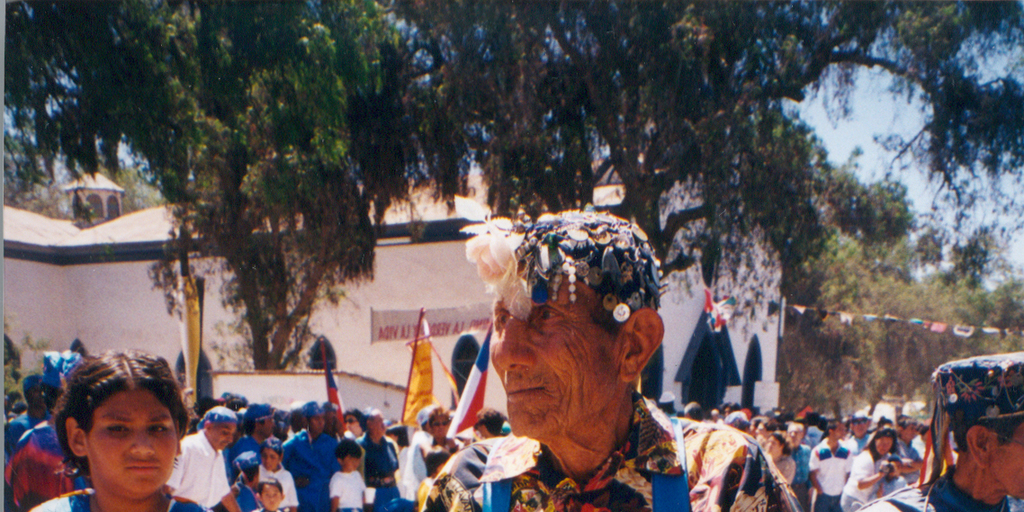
(575, 322)
(837, 465)
(234, 455)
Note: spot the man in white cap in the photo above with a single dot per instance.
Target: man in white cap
(199, 472)
(576, 321)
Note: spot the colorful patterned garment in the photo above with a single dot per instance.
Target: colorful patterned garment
(726, 471)
(36, 470)
(79, 502)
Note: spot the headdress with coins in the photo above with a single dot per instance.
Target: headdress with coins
(525, 261)
(970, 392)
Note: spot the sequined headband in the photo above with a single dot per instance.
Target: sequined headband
(525, 261)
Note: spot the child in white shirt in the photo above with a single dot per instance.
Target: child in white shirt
(347, 486)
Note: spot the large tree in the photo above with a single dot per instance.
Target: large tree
(272, 128)
(667, 93)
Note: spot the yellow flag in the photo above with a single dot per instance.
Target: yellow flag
(420, 391)
(192, 332)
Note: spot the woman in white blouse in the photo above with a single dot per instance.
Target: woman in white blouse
(868, 470)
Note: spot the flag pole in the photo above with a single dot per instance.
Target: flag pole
(415, 343)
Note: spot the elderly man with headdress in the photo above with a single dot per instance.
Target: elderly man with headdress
(575, 322)
(977, 436)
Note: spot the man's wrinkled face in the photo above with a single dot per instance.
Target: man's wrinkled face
(220, 435)
(557, 365)
(1008, 466)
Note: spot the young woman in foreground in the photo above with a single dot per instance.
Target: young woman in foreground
(119, 422)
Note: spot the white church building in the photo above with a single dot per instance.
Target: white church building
(90, 285)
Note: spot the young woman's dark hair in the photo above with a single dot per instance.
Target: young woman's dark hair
(781, 439)
(98, 378)
(872, 444)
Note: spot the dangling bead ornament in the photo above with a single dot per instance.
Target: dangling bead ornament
(570, 269)
(621, 313)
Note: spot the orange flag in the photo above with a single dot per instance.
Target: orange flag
(420, 390)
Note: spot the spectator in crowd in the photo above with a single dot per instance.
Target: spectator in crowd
(830, 465)
(381, 461)
(489, 423)
(347, 486)
(298, 420)
(575, 322)
(355, 423)
(282, 424)
(759, 428)
(437, 426)
(199, 473)
(271, 493)
(309, 457)
(332, 425)
(867, 469)
(979, 402)
(860, 423)
(35, 471)
(777, 448)
(412, 467)
(693, 411)
(247, 465)
(36, 413)
(271, 454)
(906, 430)
(114, 403)
(258, 426)
(435, 460)
(801, 454)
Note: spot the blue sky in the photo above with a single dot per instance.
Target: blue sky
(874, 111)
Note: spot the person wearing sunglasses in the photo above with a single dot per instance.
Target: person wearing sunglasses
(977, 434)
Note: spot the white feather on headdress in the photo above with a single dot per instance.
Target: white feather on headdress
(493, 251)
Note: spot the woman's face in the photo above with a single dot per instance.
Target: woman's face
(883, 444)
(772, 446)
(131, 446)
(352, 425)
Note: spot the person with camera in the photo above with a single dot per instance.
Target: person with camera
(869, 468)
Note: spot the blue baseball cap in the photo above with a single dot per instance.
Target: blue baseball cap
(247, 460)
(310, 409)
(257, 412)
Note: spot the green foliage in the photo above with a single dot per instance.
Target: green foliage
(269, 126)
(546, 97)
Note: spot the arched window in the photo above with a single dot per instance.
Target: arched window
(321, 350)
(78, 346)
(751, 372)
(113, 207)
(95, 205)
(463, 358)
(204, 382)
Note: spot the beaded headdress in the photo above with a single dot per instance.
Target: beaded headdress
(525, 261)
(970, 392)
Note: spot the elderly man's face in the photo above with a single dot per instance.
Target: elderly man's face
(1008, 464)
(375, 426)
(557, 365)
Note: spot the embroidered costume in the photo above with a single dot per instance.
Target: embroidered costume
(726, 471)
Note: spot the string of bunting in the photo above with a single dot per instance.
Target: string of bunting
(963, 331)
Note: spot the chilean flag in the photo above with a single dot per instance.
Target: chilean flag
(332, 388)
(472, 399)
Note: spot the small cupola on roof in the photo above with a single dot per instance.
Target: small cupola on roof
(95, 199)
